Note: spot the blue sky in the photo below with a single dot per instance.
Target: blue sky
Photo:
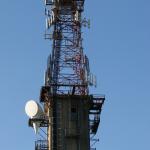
(118, 46)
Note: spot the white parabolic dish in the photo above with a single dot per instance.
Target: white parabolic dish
(33, 109)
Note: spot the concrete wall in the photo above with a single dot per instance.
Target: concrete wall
(72, 124)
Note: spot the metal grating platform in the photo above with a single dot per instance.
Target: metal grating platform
(41, 145)
(95, 111)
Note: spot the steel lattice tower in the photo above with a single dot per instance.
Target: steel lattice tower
(71, 114)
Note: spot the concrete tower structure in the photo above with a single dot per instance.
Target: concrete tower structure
(70, 114)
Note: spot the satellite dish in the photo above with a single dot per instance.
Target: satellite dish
(33, 109)
(47, 25)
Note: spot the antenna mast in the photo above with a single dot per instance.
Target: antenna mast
(71, 115)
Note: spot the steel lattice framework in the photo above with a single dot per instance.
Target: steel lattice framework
(67, 64)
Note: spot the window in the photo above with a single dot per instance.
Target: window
(74, 114)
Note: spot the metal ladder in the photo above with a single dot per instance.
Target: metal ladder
(60, 136)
